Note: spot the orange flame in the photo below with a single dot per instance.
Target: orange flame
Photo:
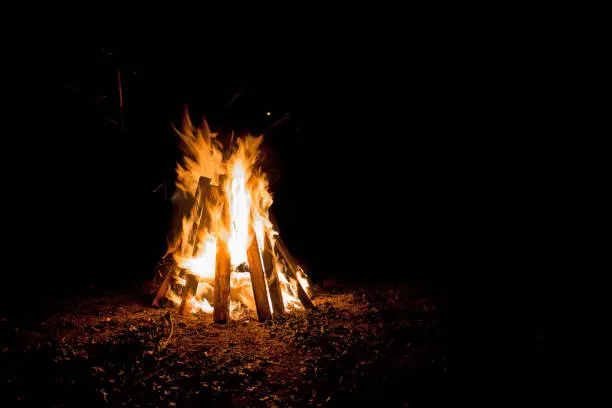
(248, 200)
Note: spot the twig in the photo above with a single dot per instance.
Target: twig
(171, 332)
(236, 96)
(282, 119)
(120, 89)
(142, 380)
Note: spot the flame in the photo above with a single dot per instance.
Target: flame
(301, 276)
(248, 201)
(202, 305)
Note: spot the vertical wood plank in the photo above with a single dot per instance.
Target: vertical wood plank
(258, 278)
(274, 285)
(223, 267)
(291, 267)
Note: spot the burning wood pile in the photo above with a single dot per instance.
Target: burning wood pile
(227, 255)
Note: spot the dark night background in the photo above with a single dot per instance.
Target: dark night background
(358, 166)
(402, 155)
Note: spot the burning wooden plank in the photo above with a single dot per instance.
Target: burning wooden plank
(223, 273)
(205, 193)
(291, 270)
(274, 285)
(191, 286)
(293, 273)
(202, 191)
(163, 289)
(258, 278)
(223, 266)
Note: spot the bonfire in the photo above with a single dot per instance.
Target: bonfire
(227, 257)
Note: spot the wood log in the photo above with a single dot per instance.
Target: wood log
(163, 289)
(208, 194)
(274, 285)
(204, 193)
(292, 272)
(182, 203)
(258, 278)
(223, 271)
(191, 286)
(200, 196)
(291, 267)
(223, 266)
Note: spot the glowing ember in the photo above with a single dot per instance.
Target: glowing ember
(248, 200)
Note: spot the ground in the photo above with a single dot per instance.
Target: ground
(379, 344)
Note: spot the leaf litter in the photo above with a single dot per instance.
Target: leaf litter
(356, 346)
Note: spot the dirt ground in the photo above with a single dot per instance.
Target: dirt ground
(382, 344)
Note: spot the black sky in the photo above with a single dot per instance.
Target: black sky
(385, 165)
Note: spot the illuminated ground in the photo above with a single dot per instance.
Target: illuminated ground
(366, 346)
